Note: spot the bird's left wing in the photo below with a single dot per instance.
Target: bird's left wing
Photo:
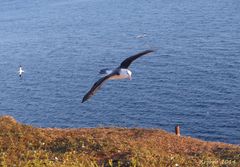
(127, 62)
(97, 86)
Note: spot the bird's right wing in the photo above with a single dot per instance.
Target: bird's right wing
(96, 86)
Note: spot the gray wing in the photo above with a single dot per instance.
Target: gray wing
(96, 86)
(127, 62)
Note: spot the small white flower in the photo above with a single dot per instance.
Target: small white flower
(56, 158)
(176, 165)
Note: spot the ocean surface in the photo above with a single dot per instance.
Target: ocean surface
(193, 79)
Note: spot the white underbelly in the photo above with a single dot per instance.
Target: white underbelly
(118, 77)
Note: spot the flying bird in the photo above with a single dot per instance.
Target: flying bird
(141, 35)
(20, 71)
(121, 72)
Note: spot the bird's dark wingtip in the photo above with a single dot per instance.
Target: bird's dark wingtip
(154, 49)
(151, 50)
(83, 100)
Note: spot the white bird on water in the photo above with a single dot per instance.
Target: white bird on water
(120, 72)
(20, 71)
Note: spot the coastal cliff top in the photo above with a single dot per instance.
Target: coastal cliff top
(24, 145)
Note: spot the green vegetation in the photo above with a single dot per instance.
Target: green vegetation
(22, 145)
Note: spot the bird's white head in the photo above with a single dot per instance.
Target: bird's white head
(129, 73)
(125, 73)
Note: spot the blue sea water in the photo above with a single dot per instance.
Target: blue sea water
(193, 79)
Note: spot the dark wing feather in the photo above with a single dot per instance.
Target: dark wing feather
(96, 87)
(126, 63)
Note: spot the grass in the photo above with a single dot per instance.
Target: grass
(23, 145)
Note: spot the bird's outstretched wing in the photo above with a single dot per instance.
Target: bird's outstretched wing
(127, 62)
(97, 86)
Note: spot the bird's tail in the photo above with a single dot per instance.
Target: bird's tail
(105, 71)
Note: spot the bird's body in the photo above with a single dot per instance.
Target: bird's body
(121, 72)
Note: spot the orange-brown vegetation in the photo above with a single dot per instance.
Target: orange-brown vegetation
(23, 145)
